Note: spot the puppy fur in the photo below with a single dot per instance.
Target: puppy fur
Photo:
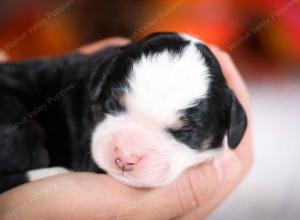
(164, 94)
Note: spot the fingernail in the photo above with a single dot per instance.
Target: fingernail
(227, 166)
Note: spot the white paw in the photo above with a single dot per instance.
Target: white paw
(37, 174)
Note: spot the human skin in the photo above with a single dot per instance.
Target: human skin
(3, 56)
(193, 195)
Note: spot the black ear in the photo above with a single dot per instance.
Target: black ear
(101, 72)
(237, 121)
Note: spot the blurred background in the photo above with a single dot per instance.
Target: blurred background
(263, 38)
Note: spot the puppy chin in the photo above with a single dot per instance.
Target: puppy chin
(143, 181)
(146, 175)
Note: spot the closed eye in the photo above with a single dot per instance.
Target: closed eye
(182, 132)
(188, 135)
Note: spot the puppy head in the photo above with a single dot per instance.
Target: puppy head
(160, 106)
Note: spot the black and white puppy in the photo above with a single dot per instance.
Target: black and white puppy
(142, 113)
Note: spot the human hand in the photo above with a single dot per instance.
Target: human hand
(193, 195)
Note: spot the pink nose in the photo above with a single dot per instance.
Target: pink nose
(126, 161)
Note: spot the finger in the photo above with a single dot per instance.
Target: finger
(190, 190)
(3, 56)
(237, 84)
(244, 153)
(98, 45)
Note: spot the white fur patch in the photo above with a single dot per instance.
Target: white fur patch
(190, 38)
(164, 83)
(37, 174)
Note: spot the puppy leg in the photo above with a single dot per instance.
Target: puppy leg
(10, 181)
(21, 142)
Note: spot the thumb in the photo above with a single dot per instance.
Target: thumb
(3, 56)
(192, 188)
(98, 45)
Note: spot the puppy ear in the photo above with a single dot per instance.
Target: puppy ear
(101, 72)
(237, 121)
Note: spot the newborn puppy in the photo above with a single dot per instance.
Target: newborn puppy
(143, 113)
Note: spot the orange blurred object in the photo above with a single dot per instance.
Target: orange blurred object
(29, 33)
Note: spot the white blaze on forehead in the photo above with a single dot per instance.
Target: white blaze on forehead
(163, 83)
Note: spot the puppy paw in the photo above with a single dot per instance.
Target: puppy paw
(37, 174)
